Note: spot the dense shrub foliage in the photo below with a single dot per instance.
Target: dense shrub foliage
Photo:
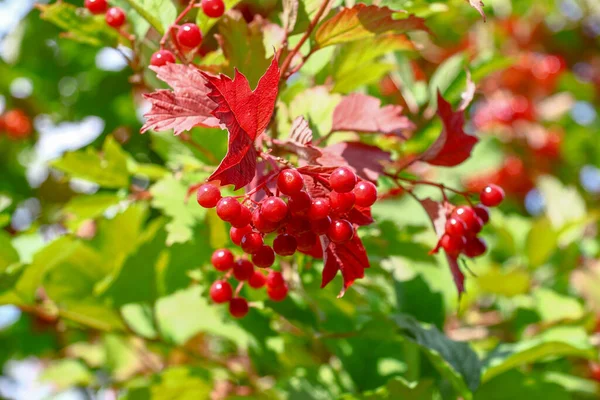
(300, 199)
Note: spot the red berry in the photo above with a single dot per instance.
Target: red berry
(213, 8)
(208, 195)
(290, 182)
(456, 227)
(243, 269)
(115, 17)
(299, 204)
(264, 257)
(341, 203)
(491, 195)
(243, 219)
(238, 307)
(297, 225)
(366, 194)
(482, 212)
(452, 244)
(285, 245)
(340, 231)
(278, 293)
(162, 57)
(251, 242)
(96, 6)
(262, 224)
(222, 259)
(319, 209)
(476, 227)
(342, 180)
(320, 226)
(467, 215)
(236, 234)
(306, 241)
(275, 279)
(274, 209)
(221, 292)
(228, 209)
(257, 280)
(474, 247)
(189, 35)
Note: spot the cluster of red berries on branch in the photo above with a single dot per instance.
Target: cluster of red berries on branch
(16, 124)
(186, 38)
(464, 223)
(243, 271)
(114, 16)
(307, 208)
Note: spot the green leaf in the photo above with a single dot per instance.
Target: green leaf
(169, 196)
(554, 307)
(556, 342)
(456, 361)
(316, 105)
(206, 23)
(363, 22)
(541, 242)
(359, 63)
(139, 23)
(503, 282)
(400, 388)
(67, 373)
(519, 385)
(186, 313)
(243, 47)
(159, 13)
(140, 318)
(81, 208)
(122, 359)
(79, 24)
(174, 383)
(93, 314)
(564, 205)
(108, 170)
(8, 254)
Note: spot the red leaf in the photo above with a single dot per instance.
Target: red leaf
(366, 160)
(246, 114)
(453, 146)
(360, 216)
(300, 141)
(437, 213)
(361, 113)
(350, 258)
(186, 106)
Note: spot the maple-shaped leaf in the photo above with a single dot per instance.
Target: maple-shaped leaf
(437, 213)
(350, 258)
(184, 107)
(300, 141)
(245, 114)
(361, 22)
(366, 160)
(361, 113)
(453, 146)
(478, 5)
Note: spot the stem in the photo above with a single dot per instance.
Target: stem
(441, 186)
(186, 10)
(311, 27)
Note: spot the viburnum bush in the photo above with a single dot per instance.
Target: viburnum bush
(301, 199)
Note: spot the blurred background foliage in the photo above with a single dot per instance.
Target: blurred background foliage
(104, 269)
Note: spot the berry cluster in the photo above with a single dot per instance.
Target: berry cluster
(296, 219)
(242, 270)
(114, 16)
(464, 224)
(188, 35)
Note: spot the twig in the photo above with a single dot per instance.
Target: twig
(311, 27)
